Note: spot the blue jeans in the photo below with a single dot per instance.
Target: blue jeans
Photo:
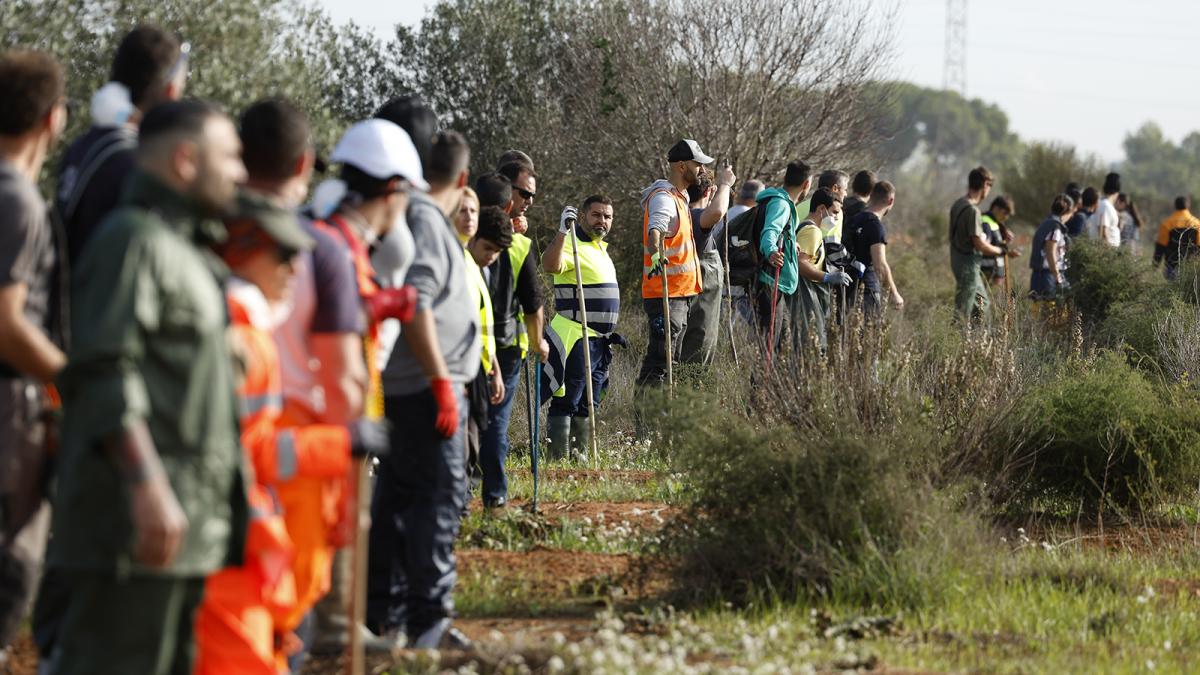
(573, 402)
(493, 450)
(420, 491)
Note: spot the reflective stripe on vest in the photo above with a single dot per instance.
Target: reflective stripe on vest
(601, 294)
(486, 318)
(253, 405)
(286, 463)
(517, 252)
(679, 251)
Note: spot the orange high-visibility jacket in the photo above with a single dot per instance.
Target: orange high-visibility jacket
(241, 619)
(679, 254)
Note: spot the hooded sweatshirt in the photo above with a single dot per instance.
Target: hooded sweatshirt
(779, 229)
(664, 217)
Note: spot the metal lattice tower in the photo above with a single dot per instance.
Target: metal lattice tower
(954, 69)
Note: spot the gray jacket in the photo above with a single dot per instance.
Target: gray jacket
(439, 274)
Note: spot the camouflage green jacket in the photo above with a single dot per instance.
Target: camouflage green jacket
(150, 343)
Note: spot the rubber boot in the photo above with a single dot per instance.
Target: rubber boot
(560, 437)
(581, 438)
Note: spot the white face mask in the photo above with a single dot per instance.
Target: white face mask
(828, 223)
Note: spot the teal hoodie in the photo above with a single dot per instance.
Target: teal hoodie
(779, 221)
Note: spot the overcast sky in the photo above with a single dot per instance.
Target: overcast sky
(1082, 71)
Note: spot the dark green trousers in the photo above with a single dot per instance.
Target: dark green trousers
(136, 625)
(971, 298)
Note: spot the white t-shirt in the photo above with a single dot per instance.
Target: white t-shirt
(1108, 223)
(735, 211)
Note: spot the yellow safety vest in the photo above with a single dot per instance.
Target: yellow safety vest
(517, 252)
(601, 297)
(486, 319)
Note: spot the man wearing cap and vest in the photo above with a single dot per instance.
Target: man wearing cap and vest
(240, 625)
(379, 165)
(516, 298)
(564, 375)
(669, 249)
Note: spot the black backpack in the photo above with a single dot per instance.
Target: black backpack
(742, 236)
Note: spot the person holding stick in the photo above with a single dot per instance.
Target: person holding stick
(671, 277)
(587, 304)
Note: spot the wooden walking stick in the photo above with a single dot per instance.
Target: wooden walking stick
(667, 325)
(729, 291)
(362, 530)
(587, 345)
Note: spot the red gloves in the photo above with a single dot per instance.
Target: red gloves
(392, 303)
(447, 407)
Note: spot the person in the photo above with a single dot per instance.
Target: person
(709, 204)
(866, 239)
(968, 243)
(860, 194)
(809, 318)
(993, 267)
(1047, 261)
(516, 299)
(564, 375)
(524, 186)
(150, 66)
(1131, 223)
(830, 297)
(670, 263)
(31, 121)
(1081, 224)
(1178, 222)
(239, 625)
(488, 387)
(150, 487)
(1107, 220)
(319, 343)
(745, 199)
(420, 488)
(736, 294)
(779, 276)
(380, 175)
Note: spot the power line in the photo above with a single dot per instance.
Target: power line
(954, 68)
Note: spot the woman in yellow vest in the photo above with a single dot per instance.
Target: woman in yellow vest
(485, 233)
(564, 375)
(668, 249)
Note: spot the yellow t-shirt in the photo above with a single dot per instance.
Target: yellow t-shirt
(810, 242)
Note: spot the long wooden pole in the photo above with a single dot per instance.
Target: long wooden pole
(587, 346)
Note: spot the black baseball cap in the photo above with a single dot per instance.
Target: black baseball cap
(687, 149)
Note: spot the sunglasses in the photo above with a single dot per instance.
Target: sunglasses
(285, 254)
(525, 193)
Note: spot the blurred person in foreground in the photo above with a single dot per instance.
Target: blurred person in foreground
(31, 120)
(151, 492)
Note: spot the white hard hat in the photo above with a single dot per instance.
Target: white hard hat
(380, 149)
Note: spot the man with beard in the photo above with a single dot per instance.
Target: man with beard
(564, 376)
(669, 249)
(151, 495)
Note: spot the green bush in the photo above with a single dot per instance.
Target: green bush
(1102, 276)
(1134, 324)
(1102, 434)
(786, 513)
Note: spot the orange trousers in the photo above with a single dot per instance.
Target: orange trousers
(235, 628)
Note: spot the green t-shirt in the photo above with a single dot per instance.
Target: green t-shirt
(966, 225)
